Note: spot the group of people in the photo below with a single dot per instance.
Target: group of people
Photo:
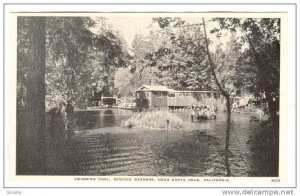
(200, 110)
(203, 110)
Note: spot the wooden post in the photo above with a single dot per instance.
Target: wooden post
(168, 143)
(168, 130)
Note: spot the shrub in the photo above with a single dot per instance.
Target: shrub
(154, 120)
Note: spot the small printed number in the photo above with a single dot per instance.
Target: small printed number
(275, 180)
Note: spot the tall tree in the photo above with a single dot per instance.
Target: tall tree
(64, 56)
(113, 55)
(226, 62)
(31, 126)
(226, 94)
(69, 44)
(181, 59)
(263, 37)
(138, 72)
(79, 60)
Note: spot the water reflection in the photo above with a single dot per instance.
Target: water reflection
(104, 148)
(93, 119)
(108, 118)
(185, 156)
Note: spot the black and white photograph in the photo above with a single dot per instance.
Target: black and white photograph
(148, 95)
(149, 98)
(103, 97)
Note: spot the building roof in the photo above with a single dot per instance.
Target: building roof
(166, 89)
(155, 88)
(193, 91)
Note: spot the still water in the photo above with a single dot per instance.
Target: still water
(102, 147)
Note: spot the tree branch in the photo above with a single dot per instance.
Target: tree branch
(211, 63)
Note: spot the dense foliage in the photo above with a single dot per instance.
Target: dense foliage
(259, 64)
(79, 62)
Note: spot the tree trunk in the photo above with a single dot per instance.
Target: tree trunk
(32, 156)
(71, 83)
(227, 97)
(273, 106)
(227, 165)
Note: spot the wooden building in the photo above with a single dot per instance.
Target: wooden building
(161, 97)
(183, 99)
(152, 97)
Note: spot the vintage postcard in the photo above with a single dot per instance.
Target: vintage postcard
(148, 99)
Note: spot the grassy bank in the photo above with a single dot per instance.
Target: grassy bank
(154, 120)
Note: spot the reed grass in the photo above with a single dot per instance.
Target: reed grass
(154, 120)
